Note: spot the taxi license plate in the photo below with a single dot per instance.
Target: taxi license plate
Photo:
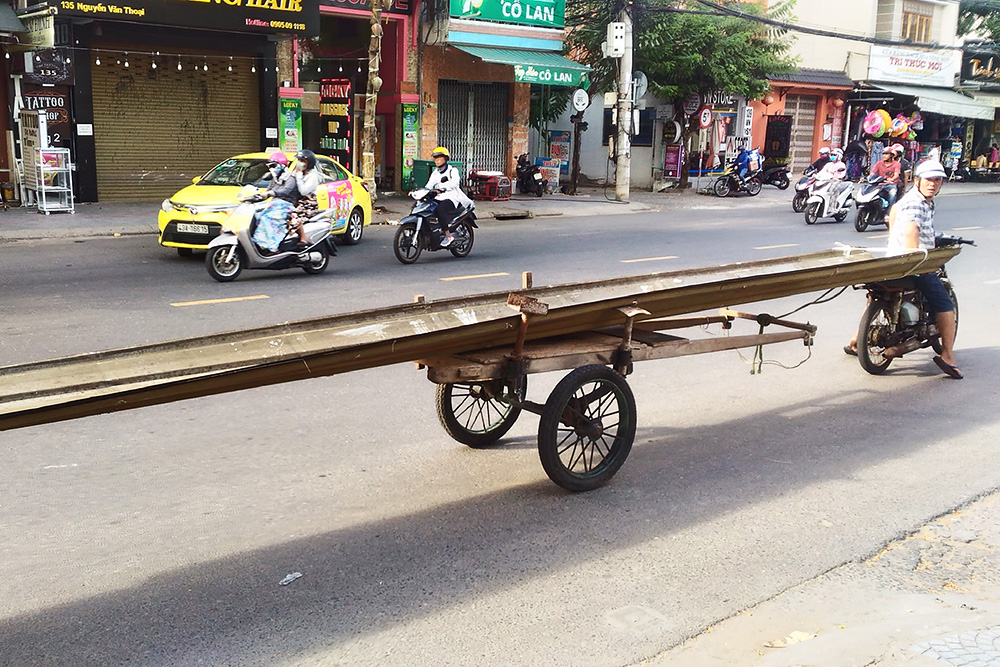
(186, 228)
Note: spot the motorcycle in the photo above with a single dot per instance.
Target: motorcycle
(729, 182)
(802, 190)
(896, 316)
(529, 176)
(873, 198)
(776, 175)
(233, 249)
(421, 231)
(828, 198)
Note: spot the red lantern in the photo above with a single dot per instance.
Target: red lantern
(768, 99)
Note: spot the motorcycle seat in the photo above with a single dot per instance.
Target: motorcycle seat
(898, 284)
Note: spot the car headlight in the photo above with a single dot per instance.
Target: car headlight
(167, 206)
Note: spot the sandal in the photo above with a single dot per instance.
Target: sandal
(949, 370)
(851, 350)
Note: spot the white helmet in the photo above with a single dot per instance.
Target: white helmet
(930, 169)
(837, 154)
(825, 150)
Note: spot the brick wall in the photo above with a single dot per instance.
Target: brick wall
(451, 63)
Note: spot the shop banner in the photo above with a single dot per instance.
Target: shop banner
(290, 124)
(920, 68)
(778, 136)
(981, 68)
(398, 7)
(34, 135)
(54, 102)
(673, 157)
(539, 13)
(550, 76)
(266, 16)
(410, 113)
(336, 109)
(550, 171)
(559, 148)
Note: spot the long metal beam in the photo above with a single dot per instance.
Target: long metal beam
(89, 384)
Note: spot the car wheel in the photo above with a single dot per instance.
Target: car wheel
(355, 228)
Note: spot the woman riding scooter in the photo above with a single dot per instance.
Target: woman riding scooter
(272, 222)
(446, 181)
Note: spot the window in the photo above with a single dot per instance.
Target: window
(916, 27)
(330, 170)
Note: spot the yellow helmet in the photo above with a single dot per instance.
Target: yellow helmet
(442, 151)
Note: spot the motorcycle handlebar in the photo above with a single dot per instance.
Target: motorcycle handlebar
(941, 241)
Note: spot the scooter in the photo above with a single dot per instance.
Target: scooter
(729, 183)
(873, 198)
(829, 198)
(776, 175)
(234, 250)
(803, 189)
(421, 230)
(529, 176)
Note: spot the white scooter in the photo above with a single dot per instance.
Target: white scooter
(830, 198)
(234, 250)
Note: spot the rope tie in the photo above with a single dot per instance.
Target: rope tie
(757, 363)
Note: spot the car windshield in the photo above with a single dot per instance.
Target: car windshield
(239, 171)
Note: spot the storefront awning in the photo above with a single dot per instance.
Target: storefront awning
(942, 100)
(9, 23)
(540, 67)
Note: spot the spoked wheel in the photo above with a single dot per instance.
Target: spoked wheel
(936, 340)
(721, 187)
(861, 219)
(799, 201)
(224, 263)
(587, 428)
(782, 182)
(754, 186)
(475, 414)
(317, 266)
(812, 213)
(464, 237)
(873, 337)
(355, 228)
(407, 245)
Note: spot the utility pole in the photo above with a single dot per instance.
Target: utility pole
(623, 145)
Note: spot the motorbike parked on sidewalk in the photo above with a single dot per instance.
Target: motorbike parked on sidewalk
(803, 189)
(897, 316)
(829, 198)
(234, 250)
(776, 175)
(873, 198)
(529, 177)
(421, 230)
(729, 183)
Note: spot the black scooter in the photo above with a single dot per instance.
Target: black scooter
(421, 230)
(776, 175)
(529, 176)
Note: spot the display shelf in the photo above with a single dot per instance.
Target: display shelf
(54, 176)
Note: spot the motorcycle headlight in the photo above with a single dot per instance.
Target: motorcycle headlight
(167, 206)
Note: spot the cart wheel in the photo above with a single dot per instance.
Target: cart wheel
(587, 428)
(474, 414)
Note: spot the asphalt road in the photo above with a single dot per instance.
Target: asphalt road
(159, 536)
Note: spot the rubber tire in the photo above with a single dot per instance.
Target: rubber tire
(224, 276)
(754, 186)
(552, 433)
(410, 228)
(539, 189)
(783, 182)
(936, 340)
(721, 187)
(811, 212)
(799, 201)
(355, 228)
(185, 252)
(873, 362)
(461, 250)
(503, 414)
(316, 269)
(861, 219)
(840, 217)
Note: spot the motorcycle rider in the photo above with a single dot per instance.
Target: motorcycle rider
(889, 169)
(912, 228)
(307, 180)
(446, 181)
(834, 170)
(822, 160)
(904, 166)
(272, 222)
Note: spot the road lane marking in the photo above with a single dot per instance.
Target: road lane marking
(181, 304)
(648, 259)
(965, 229)
(772, 247)
(478, 275)
(879, 236)
(993, 282)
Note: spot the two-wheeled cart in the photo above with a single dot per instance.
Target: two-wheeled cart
(588, 422)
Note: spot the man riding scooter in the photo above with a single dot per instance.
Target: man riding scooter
(446, 181)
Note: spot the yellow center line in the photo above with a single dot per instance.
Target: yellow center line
(772, 247)
(648, 259)
(478, 275)
(965, 229)
(181, 304)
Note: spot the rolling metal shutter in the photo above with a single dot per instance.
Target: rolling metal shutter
(472, 123)
(156, 129)
(802, 109)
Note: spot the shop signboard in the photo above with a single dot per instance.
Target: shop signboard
(538, 13)
(777, 136)
(550, 170)
(41, 31)
(913, 66)
(549, 76)
(49, 67)
(262, 16)
(559, 148)
(398, 7)
(410, 114)
(673, 158)
(981, 68)
(336, 110)
(34, 135)
(290, 124)
(53, 101)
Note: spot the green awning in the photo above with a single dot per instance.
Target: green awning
(9, 23)
(540, 67)
(941, 100)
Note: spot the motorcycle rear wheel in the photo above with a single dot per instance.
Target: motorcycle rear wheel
(406, 245)
(721, 187)
(799, 201)
(464, 238)
(315, 268)
(539, 188)
(873, 335)
(782, 182)
(221, 267)
(812, 213)
(754, 186)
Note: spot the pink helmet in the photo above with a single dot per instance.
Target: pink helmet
(278, 158)
(897, 148)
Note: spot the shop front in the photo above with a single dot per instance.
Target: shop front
(981, 73)
(147, 98)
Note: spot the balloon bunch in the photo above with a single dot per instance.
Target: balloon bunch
(901, 126)
(878, 123)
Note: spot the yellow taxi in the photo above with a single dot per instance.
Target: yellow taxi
(193, 217)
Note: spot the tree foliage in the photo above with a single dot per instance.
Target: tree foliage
(980, 17)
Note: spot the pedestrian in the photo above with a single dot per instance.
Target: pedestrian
(994, 156)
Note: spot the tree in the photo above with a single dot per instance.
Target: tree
(981, 17)
(686, 47)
